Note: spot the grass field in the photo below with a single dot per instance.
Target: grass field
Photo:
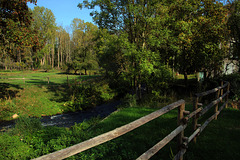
(39, 77)
(29, 93)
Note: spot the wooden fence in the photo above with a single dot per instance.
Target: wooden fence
(183, 120)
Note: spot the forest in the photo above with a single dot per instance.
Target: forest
(143, 54)
(134, 43)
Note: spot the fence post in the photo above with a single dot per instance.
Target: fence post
(216, 107)
(195, 118)
(228, 87)
(181, 109)
(48, 79)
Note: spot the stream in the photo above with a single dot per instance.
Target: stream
(69, 119)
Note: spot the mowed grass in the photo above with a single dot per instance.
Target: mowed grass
(29, 93)
(219, 140)
(40, 77)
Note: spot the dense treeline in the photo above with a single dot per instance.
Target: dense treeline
(36, 41)
(139, 44)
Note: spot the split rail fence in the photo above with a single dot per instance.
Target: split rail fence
(183, 120)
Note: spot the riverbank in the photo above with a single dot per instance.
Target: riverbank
(69, 119)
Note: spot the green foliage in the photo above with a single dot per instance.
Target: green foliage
(46, 67)
(233, 25)
(13, 147)
(88, 95)
(26, 125)
(234, 80)
(129, 101)
(84, 56)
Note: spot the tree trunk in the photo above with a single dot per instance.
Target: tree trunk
(53, 56)
(69, 52)
(61, 56)
(58, 57)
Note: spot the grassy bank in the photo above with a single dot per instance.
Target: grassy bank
(218, 141)
(29, 93)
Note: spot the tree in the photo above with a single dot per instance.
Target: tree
(132, 20)
(188, 35)
(211, 36)
(16, 32)
(44, 23)
(234, 26)
(14, 13)
(83, 42)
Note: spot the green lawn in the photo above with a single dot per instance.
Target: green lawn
(39, 77)
(33, 96)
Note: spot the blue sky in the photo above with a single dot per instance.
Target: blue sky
(65, 10)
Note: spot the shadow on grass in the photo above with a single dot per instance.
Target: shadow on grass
(6, 92)
(219, 140)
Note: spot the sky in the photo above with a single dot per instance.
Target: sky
(65, 10)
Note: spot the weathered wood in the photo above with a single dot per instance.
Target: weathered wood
(211, 91)
(197, 110)
(192, 114)
(181, 110)
(208, 121)
(148, 154)
(221, 108)
(198, 125)
(195, 118)
(180, 154)
(221, 89)
(195, 133)
(228, 87)
(186, 112)
(209, 106)
(67, 152)
(216, 107)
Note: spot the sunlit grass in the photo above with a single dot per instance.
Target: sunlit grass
(34, 96)
(41, 78)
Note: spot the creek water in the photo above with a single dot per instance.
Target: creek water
(69, 119)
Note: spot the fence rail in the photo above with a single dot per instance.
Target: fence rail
(183, 119)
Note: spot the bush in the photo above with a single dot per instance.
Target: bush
(88, 95)
(46, 67)
(234, 80)
(129, 101)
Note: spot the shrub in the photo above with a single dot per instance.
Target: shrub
(129, 101)
(234, 80)
(88, 95)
